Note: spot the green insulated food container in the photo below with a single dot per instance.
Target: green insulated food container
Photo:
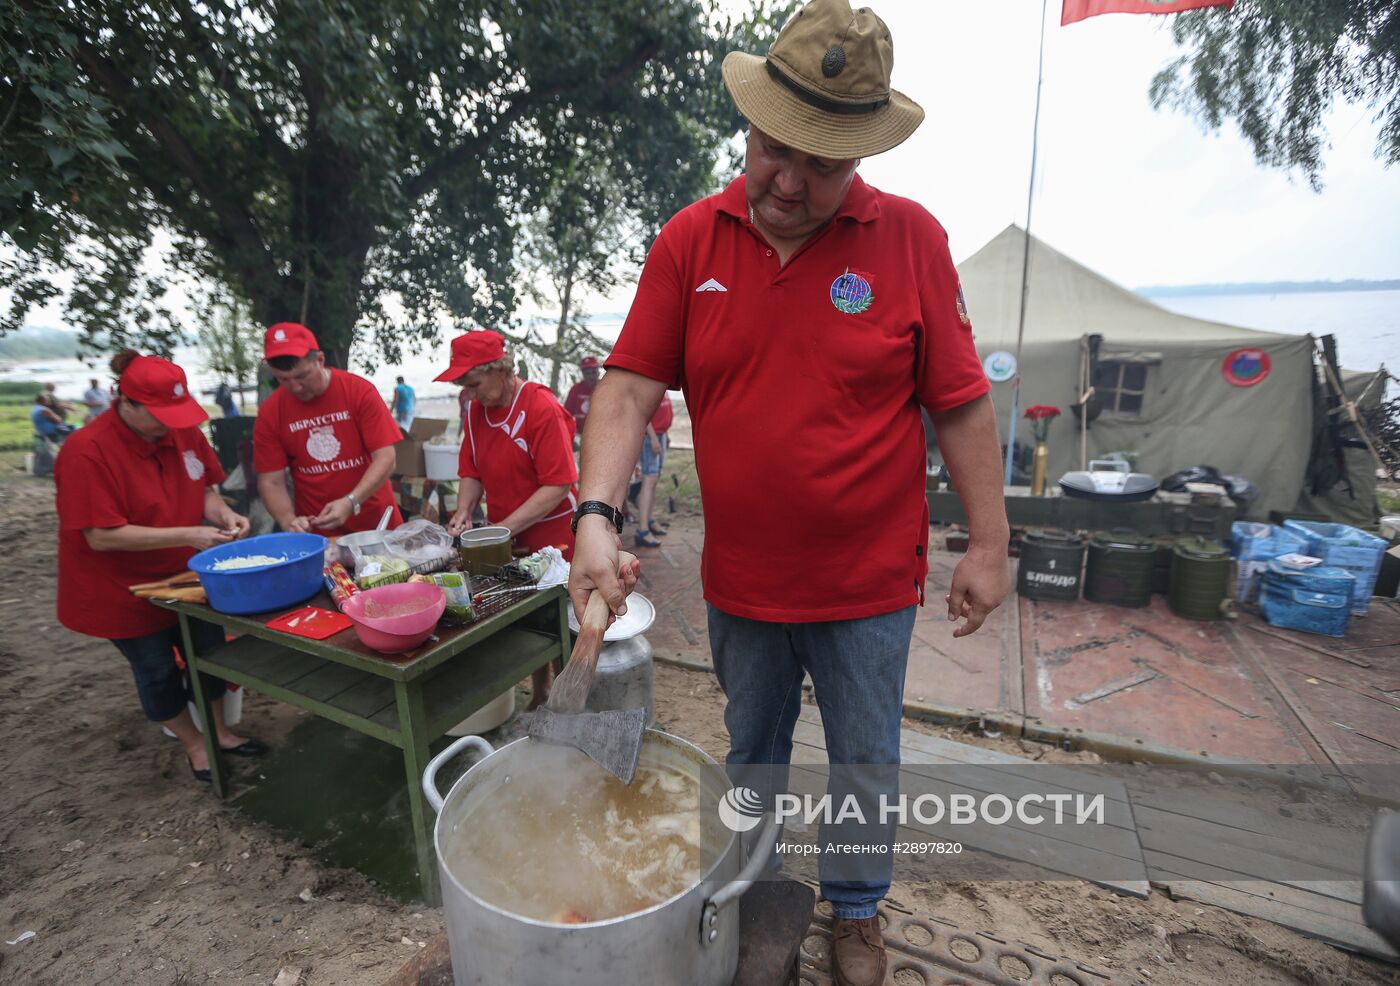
(1119, 569)
(1200, 578)
(1052, 563)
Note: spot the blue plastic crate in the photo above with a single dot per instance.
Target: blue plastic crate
(1254, 545)
(1342, 546)
(1312, 599)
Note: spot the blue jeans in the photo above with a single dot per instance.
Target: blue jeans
(857, 670)
(159, 683)
(651, 461)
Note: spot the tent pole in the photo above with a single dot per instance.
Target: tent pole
(1026, 255)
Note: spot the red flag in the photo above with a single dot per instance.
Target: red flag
(1077, 10)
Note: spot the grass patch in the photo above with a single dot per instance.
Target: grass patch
(16, 430)
(1388, 499)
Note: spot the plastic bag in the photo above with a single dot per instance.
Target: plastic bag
(1237, 488)
(425, 546)
(372, 571)
(457, 587)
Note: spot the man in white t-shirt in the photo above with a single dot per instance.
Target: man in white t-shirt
(97, 399)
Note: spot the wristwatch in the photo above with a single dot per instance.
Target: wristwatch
(587, 507)
(354, 504)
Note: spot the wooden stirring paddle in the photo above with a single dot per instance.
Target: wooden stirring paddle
(571, 688)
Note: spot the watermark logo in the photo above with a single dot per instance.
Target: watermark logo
(741, 809)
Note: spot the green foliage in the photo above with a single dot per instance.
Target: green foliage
(20, 388)
(357, 165)
(1276, 66)
(230, 339)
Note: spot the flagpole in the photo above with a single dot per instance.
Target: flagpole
(1026, 255)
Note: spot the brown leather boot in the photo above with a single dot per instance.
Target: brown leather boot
(858, 952)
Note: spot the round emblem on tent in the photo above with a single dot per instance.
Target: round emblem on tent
(1000, 366)
(851, 293)
(1246, 367)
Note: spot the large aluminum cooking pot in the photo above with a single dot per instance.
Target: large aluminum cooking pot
(690, 940)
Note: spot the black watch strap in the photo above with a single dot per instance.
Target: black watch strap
(587, 507)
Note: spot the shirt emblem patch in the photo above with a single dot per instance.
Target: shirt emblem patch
(710, 285)
(322, 445)
(194, 466)
(962, 308)
(851, 293)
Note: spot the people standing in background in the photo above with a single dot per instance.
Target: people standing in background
(97, 399)
(332, 431)
(61, 408)
(653, 455)
(47, 422)
(581, 393)
(224, 398)
(402, 407)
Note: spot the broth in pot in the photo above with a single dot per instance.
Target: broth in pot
(557, 838)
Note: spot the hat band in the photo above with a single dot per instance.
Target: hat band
(820, 102)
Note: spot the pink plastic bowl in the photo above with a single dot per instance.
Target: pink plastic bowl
(394, 634)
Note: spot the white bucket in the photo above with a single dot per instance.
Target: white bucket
(488, 717)
(233, 711)
(441, 462)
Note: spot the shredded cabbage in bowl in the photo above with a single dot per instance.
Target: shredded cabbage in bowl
(246, 561)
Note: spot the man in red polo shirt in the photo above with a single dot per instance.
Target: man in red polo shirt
(581, 393)
(807, 316)
(332, 431)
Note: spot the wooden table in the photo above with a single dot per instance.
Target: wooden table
(407, 700)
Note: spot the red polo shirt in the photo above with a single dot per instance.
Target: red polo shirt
(106, 476)
(514, 451)
(803, 384)
(327, 444)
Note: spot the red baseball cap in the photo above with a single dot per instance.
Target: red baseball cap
(160, 387)
(288, 339)
(589, 363)
(472, 350)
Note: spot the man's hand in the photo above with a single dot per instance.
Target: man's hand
(599, 564)
(297, 525)
(334, 514)
(980, 583)
(655, 444)
(461, 521)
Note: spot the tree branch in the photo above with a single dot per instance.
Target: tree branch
(271, 141)
(236, 223)
(463, 154)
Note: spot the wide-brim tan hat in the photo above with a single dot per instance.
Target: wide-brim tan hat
(824, 87)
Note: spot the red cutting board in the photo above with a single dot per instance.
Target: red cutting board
(312, 622)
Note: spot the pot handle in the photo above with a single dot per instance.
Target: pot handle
(430, 790)
(735, 888)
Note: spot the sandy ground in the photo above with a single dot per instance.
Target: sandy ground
(129, 872)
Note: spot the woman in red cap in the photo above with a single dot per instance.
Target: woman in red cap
(136, 491)
(518, 450)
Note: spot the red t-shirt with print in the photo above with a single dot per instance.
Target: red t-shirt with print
(107, 476)
(327, 444)
(803, 382)
(516, 450)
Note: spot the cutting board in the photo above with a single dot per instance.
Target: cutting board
(312, 622)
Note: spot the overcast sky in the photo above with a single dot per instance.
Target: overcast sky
(1142, 196)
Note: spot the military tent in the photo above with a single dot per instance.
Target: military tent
(1174, 391)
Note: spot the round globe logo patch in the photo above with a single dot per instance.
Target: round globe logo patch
(741, 809)
(1246, 367)
(851, 293)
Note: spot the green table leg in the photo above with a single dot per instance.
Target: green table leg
(413, 726)
(205, 707)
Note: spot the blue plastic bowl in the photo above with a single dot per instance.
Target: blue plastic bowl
(265, 587)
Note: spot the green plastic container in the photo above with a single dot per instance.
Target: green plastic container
(1119, 569)
(1052, 565)
(1200, 578)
